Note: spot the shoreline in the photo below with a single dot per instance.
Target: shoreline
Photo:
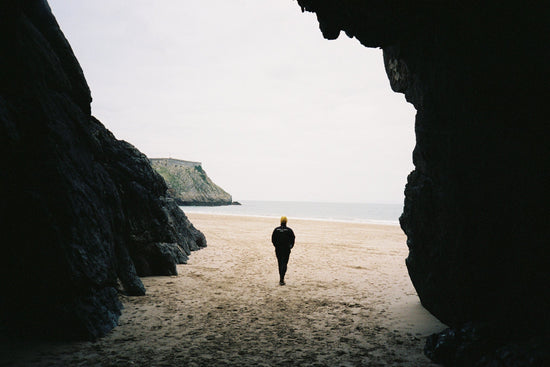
(358, 221)
(348, 302)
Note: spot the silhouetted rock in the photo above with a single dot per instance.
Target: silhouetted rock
(488, 346)
(78, 205)
(159, 259)
(476, 206)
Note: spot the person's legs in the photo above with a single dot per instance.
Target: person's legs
(282, 259)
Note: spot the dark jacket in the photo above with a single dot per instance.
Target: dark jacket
(283, 238)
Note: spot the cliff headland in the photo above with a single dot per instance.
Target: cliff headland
(189, 184)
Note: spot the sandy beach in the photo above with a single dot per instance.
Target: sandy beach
(348, 301)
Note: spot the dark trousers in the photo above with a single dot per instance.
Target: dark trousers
(282, 258)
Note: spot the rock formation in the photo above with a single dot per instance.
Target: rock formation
(81, 211)
(189, 184)
(476, 206)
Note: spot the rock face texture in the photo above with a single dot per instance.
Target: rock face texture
(81, 212)
(476, 206)
(189, 184)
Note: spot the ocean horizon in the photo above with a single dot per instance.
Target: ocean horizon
(386, 214)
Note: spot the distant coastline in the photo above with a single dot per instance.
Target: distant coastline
(384, 214)
(205, 204)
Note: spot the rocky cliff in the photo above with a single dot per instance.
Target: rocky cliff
(81, 212)
(189, 184)
(476, 206)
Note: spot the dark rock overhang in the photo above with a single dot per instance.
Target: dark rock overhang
(476, 209)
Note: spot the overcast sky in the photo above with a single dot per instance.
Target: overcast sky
(250, 89)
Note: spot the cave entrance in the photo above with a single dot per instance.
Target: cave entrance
(280, 116)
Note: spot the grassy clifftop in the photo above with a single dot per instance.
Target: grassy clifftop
(189, 184)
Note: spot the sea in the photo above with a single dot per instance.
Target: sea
(387, 214)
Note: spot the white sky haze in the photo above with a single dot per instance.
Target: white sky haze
(250, 89)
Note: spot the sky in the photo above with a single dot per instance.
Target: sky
(249, 88)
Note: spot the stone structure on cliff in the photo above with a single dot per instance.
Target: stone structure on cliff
(189, 184)
(476, 209)
(81, 212)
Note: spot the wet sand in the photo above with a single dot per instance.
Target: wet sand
(348, 301)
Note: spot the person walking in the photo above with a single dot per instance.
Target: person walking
(283, 240)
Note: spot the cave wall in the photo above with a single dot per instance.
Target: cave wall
(476, 205)
(82, 213)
